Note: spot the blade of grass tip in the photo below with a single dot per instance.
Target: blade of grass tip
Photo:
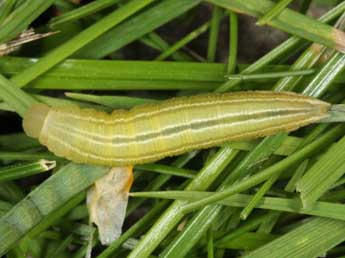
(163, 45)
(233, 43)
(71, 46)
(16, 172)
(289, 21)
(172, 215)
(136, 27)
(301, 169)
(213, 34)
(81, 12)
(299, 155)
(111, 101)
(44, 200)
(183, 41)
(312, 239)
(21, 17)
(275, 11)
(258, 196)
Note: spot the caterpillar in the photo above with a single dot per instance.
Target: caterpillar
(151, 132)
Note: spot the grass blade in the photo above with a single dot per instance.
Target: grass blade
(289, 21)
(312, 239)
(15, 172)
(45, 199)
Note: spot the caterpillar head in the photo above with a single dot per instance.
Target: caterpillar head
(34, 119)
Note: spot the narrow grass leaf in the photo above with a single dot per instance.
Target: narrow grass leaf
(136, 27)
(45, 199)
(21, 17)
(321, 209)
(298, 156)
(312, 239)
(183, 41)
(323, 174)
(81, 12)
(213, 34)
(289, 21)
(276, 10)
(111, 101)
(20, 171)
(69, 47)
(248, 241)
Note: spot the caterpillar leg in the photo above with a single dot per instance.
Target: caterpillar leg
(107, 202)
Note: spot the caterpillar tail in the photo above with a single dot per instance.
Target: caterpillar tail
(336, 114)
(34, 119)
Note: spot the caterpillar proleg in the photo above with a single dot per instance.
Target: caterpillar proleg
(151, 132)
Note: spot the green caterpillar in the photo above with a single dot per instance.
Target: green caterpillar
(151, 132)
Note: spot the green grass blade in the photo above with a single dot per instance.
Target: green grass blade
(276, 10)
(26, 156)
(213, 35)
(45, 199)
(21, 17)
(323, 174)
(172, 215)
(169, 170)
(81, 12)
(288, 46)
(138, 226)
(16, 172)
(14, 97)
(270, 171)
(183, 41)
(111, 101)
(321, 209)
(249, 241)
(289, 21)
(5, 9)
(312, 239)
(136, 27)
(233, 43)
(60, 53)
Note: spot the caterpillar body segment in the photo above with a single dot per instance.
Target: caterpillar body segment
(150, 132)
